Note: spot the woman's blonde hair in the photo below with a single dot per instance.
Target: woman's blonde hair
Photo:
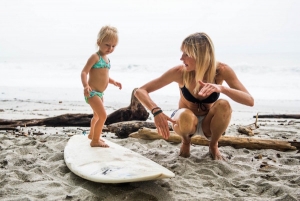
(107, 33)
(200, 47)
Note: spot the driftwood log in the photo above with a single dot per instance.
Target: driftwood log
(123, 129)
(81, 120)
(236, 142)
(135, 111)
(284, 116)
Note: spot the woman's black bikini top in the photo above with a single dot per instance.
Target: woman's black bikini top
(210, 99)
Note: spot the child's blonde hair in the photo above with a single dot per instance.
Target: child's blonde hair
(200, 47)
(107, 33)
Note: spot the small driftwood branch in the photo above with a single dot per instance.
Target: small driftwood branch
(248, 130)
(245, 130)
(284, 116)
(236, 142)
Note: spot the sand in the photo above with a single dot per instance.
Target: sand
(32, 167)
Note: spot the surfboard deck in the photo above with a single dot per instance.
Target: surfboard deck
(115, 164)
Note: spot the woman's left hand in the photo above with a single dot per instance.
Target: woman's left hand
(208, 88)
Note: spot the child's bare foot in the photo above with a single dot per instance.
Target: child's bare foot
(99, 143)
(91, 138)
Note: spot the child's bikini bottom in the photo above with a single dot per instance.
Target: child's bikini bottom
(92, 94)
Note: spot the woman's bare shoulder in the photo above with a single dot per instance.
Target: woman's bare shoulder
(178, 70)
(221, 67)
(225, 72)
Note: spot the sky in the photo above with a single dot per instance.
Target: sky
(68, 28)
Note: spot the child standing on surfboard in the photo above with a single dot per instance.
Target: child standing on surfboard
(95, 78)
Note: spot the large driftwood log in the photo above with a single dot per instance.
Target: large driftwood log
(236, 142)
(123, 129)
(135, 111)
(284, 116)
(81, 120)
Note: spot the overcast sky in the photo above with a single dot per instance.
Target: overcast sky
(39, 28)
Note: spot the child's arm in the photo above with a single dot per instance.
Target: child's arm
(85, 71)
(117, 84)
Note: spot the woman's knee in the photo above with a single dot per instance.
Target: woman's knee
(223, 105)
(186, 121)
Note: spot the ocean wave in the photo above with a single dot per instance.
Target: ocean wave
(267, 69)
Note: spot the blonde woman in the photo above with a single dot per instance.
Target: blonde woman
(95, 78)
(200, 111)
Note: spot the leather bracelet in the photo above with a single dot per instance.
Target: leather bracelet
(154, 109)
(157, 112)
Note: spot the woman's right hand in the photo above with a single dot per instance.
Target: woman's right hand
(161, 122)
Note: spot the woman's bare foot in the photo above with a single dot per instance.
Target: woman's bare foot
(216, 154)
(185, 148)
(99, 143)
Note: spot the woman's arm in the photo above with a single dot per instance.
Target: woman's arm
(142, 93)
(236, 90)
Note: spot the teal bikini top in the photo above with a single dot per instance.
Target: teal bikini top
(101, 63)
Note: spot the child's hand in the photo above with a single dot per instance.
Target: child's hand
(118, 84)
(87, 90)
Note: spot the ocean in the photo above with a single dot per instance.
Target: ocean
(59, 79)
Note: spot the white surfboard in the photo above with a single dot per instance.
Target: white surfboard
(115, 164)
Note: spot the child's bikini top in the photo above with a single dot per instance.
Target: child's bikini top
(101, 63)
(210, 99)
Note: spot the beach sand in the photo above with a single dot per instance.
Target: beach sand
(32, 167)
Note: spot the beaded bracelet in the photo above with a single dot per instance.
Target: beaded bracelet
(155, 109)
(157, 112)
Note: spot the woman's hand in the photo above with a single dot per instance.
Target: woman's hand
(208, 88)
(161, 122)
